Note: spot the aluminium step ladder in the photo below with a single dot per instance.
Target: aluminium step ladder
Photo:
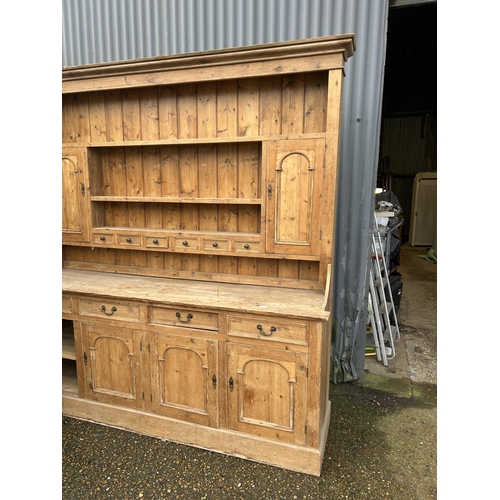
(384, 325)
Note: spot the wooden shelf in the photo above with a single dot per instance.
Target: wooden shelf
(69, 377)
(169, 199)
(199, 141)
(68, 343)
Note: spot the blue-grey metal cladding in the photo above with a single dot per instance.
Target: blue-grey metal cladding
(96, 31)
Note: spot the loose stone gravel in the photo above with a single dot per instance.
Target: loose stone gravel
(379, 447)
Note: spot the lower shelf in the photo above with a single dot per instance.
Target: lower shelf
(275, 453)
(69, 377)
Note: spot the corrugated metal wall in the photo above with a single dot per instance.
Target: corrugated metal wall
(96, 31)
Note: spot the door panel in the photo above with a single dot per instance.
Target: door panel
(185, 371)
(113, 365)
(267, 392)
(294, 172)
(75, 223)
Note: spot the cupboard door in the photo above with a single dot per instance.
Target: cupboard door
(75, 220)
(267, 392)
(113, 365)
(185, 378)
(294, 176)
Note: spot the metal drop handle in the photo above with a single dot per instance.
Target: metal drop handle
(262, 332)
(113, 309)
(189, 317)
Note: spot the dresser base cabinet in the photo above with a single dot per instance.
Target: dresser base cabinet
(248, 376)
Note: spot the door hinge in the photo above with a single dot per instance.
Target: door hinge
(269, 191)
(84, 358)
(83, 189)
(214, 381)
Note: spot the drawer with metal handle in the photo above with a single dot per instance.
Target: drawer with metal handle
(273, 329)
(116, 310)
(189, 318)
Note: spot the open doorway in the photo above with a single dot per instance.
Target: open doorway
(408, 139)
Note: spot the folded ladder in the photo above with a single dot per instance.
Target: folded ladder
(381, 303)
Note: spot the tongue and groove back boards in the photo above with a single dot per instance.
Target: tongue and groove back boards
(182, 127)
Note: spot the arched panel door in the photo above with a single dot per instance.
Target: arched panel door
(267, 392)
(75, 224)
(294, 172)
(113, 365)
(185, 378)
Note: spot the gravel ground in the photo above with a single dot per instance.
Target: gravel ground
(380, 446)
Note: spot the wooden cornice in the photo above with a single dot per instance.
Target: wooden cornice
(312, 54)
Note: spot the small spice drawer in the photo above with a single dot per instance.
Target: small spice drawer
(129, 240)
(156, 242)
(104, 238)
(182, 242)
(215, 245)
(189, 318)
(268, 328)
(121, 311)
(246, 246)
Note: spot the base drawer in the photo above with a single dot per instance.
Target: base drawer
(117, 310)
(268, 328)
(183, 317)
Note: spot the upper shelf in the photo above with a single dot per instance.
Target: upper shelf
(195, 141)
(173, 199)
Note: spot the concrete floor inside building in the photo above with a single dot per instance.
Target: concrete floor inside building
(381, 442)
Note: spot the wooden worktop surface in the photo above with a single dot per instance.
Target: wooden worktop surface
(309, 304)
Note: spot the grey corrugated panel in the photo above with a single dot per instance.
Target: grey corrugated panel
(100, 31)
